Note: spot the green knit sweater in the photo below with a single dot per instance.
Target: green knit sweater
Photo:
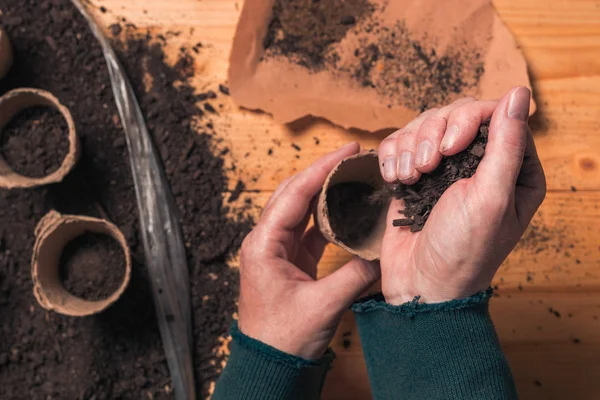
(413, 351)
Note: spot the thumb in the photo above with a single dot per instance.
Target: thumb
(348, 282)
(507, 141)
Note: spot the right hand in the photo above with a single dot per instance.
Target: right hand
(477, 221)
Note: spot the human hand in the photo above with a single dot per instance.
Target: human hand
(477, 221)
(282, 303)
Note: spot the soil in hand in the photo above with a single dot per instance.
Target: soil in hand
(304, 30)
(352, 214)
(92, 266)
(35, 142)
(420, 198)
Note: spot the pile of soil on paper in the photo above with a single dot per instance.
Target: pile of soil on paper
(35, 142)
(305, 30)
(420, 198)
(118, 353)
(352, 216)
(92, 266)
(403, 68)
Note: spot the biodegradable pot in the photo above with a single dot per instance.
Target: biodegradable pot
(53, 233)
(362, 168)
(6, 53)
(16, 101)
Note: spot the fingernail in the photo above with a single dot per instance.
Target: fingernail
(450, 138)
(406, 166)
(424, 153)
(518, 104)
(389, 169)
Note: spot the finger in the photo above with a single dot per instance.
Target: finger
(292, 204)
(393, 146)
(278, 191)
(531, 184)
(498, 171)
(463, 125)
(429, 138)
(314, 242)
(312, 248)
(346, 284)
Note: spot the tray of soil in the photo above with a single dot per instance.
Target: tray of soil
(38, 142)
(80, 265)
(117, 353)
(6, 53)
(346, 213)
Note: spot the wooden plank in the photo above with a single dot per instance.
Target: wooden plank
(561, 40)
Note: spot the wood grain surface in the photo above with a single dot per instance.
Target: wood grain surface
(548, 309)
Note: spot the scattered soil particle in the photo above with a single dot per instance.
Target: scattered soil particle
(115, 29)
(317, 141)
(573, 189)
(35, 142)
(296, 147)
(305, 30)
(118, 353)
(224, 89)
(346, 343)
(537, 383)
(235, 194)
(92, 266)
(576, 340)
(554, 312)
(352, 215)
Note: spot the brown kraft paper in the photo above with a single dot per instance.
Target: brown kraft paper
(394, 59)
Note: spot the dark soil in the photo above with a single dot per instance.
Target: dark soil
(420, 198)
(352, 215)
(92, 266)
(402, 68)
(305, 30)
(35, 142)
(118, 353)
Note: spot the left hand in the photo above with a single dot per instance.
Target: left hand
(282, 303)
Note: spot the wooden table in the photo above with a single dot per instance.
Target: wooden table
(548, 311)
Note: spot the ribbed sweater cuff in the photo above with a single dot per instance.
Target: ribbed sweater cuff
(433, 351)
(256, 370)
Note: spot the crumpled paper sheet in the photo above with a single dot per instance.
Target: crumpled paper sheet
(427, 35)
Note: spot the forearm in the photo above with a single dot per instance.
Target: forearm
(433, 351)
(258, 371)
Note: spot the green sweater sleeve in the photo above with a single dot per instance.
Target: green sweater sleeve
(433, 351)
(257, 371)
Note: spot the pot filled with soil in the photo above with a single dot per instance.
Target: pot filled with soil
(6, 53)
(348, 214)
(38, 142)
(80, 265)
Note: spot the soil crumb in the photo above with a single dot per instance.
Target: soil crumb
(351, 213)
(92, 266)
(35, 142)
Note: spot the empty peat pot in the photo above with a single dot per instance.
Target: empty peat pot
(53, 234)
(6, 53)
(11, 104)
(348, 212)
